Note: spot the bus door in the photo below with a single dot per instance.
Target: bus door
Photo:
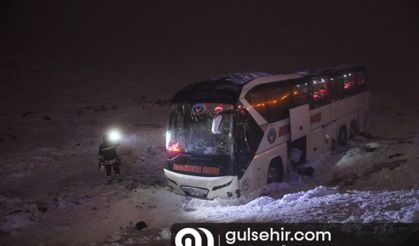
(300, 121)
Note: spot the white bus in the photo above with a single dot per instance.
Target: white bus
(235, 133)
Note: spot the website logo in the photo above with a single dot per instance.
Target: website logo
(191, 236)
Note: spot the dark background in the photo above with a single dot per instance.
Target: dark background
(71, 70)
(172, 43)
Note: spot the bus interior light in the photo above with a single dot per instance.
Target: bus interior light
(218, 108)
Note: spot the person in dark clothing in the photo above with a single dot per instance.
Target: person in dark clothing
(108, 157)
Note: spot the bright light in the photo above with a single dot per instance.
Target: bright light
(114, 135)
(168, 137)
(218, 108)
(175, 148)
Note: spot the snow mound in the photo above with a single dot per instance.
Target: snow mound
(381, 165)
(322, 204)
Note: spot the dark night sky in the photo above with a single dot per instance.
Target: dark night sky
(195, 39)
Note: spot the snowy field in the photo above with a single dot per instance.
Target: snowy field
(52, 192)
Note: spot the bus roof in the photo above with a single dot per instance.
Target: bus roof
(226, 88)
(223, 88)
(239, 78)
(337, 69)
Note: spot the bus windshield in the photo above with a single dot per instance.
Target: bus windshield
(190, 129)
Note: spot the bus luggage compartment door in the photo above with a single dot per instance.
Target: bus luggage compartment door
(300, 121)
(316, 144)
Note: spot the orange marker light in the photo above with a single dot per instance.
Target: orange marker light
(174, 148)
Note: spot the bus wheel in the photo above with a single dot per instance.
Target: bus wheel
(275, 171)
(353, 129)
(343, 136)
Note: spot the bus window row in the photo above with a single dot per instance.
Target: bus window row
(273, 101)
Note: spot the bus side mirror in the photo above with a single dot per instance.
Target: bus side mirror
(216, 123)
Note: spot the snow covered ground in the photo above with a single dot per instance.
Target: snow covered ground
(52, 192)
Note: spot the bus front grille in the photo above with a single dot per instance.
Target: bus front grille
(195, 191)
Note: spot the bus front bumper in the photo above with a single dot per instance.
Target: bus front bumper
(203, 187)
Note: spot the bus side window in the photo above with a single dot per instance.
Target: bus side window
(299, 94)
(349, 85)
(278, 101)
(336, 88)
(257, 98)
(320, 94)
(361, 81)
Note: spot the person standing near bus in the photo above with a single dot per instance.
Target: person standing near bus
(109, 158)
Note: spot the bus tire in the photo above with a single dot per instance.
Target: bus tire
(353, 129)
(343, 135)
(275, 171)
